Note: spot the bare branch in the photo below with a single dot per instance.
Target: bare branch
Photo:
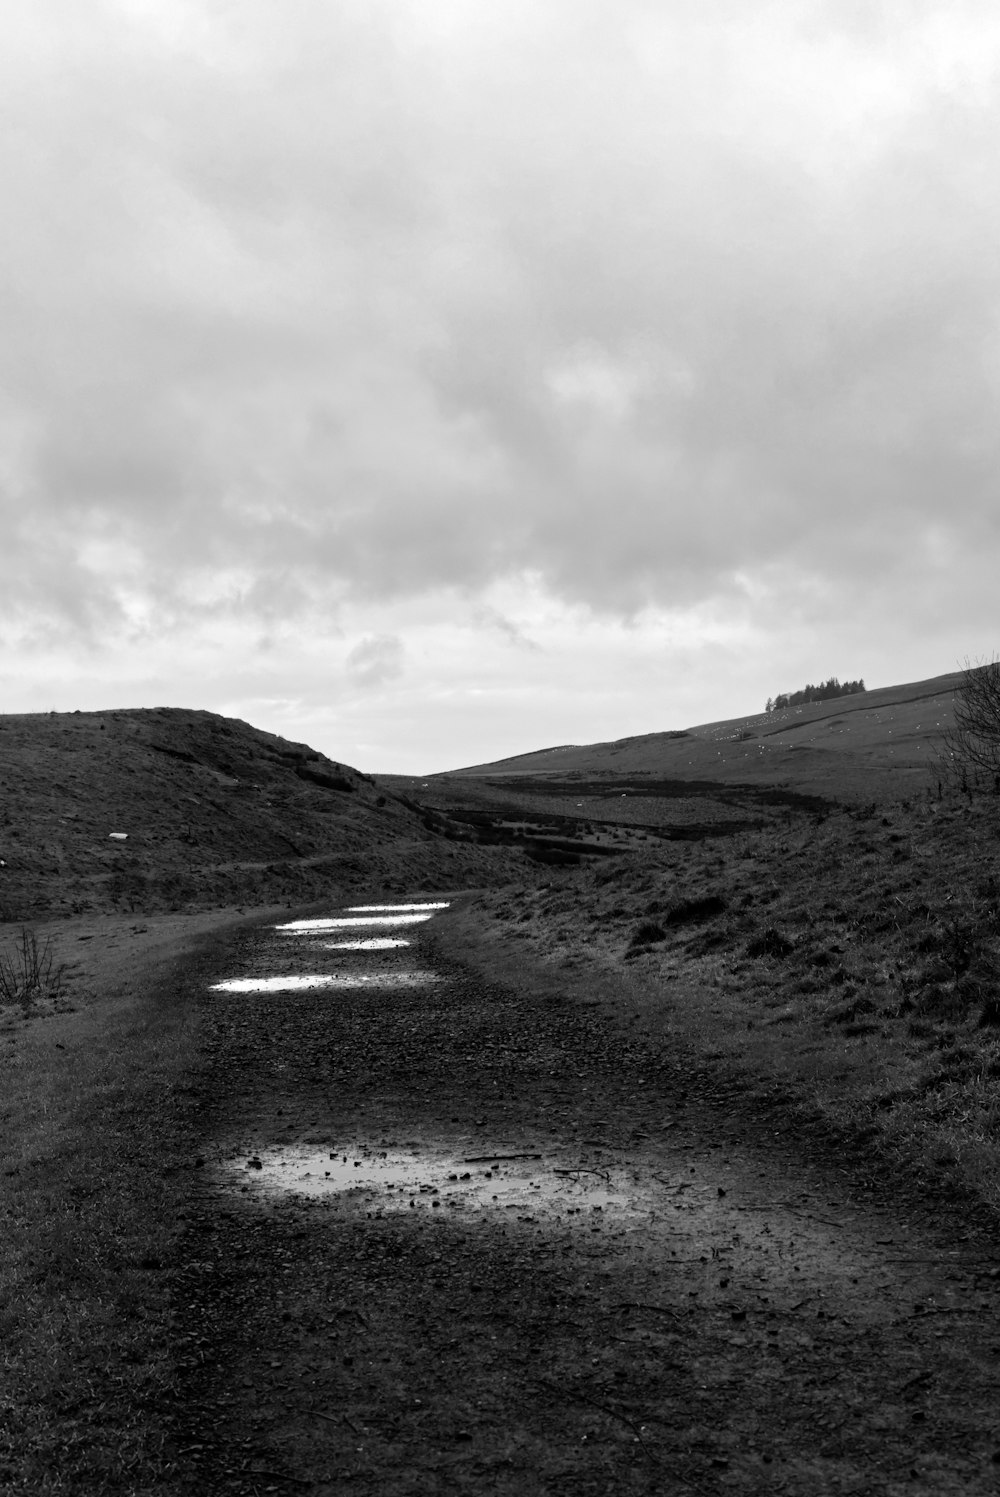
(971, 750)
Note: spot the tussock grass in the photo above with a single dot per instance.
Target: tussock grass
(853, 960)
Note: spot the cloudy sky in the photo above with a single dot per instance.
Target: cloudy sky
(439, 379)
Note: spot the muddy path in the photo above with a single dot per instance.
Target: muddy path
(449, 1235)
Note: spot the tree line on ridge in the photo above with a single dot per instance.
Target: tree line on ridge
(821, 693)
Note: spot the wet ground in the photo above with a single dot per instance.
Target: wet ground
(453, 1236)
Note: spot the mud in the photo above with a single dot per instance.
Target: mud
(467, 1237)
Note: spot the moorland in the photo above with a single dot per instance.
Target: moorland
(799, 893)
(768, 951)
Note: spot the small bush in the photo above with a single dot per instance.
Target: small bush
(28, 972)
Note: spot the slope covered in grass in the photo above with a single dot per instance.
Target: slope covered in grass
(873, 744)
(850, 961)
(165, 808)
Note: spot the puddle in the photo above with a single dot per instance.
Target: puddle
(339, 922)
(685, 1225)
(392, 1180)
(373, 943)
(441, 904)
(290, 984)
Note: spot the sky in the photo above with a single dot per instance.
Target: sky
(437, 380)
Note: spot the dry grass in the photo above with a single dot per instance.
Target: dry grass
(878, 743)
(214, 813)
(851, 961)
(95, 1139)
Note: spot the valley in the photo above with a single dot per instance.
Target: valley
(563, 1126)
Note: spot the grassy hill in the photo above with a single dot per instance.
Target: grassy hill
(874, 744)
(210, 811)
(207, 811)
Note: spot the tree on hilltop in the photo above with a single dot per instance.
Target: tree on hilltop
(821, 693)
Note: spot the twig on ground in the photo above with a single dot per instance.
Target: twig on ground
(489, 1158)
(633, 1304)
(295, 1408)
(318, 1414)
(948, 1310)
(299, 1481)
(810, 1216)
(595, 1403)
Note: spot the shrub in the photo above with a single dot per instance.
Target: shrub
(971, 750)
(28, 971)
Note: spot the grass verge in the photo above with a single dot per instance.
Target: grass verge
(850, 963)
(98, 1118)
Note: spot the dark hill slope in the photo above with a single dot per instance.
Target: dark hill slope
(874, 743)
(214, 811)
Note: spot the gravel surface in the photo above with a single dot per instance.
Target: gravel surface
(452, 1235)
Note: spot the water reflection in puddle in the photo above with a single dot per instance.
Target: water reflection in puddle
(441, 904)
(289, 984)
(392, 1180)
(373, 943)
(338, 922)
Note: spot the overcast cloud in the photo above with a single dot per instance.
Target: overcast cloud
(421, 376)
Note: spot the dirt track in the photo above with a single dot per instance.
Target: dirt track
(743, 1313)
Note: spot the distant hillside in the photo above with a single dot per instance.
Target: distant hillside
(879, 741)
(207, 811)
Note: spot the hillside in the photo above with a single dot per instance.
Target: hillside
(700, 1084)
(873, 744)
(164, 809)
